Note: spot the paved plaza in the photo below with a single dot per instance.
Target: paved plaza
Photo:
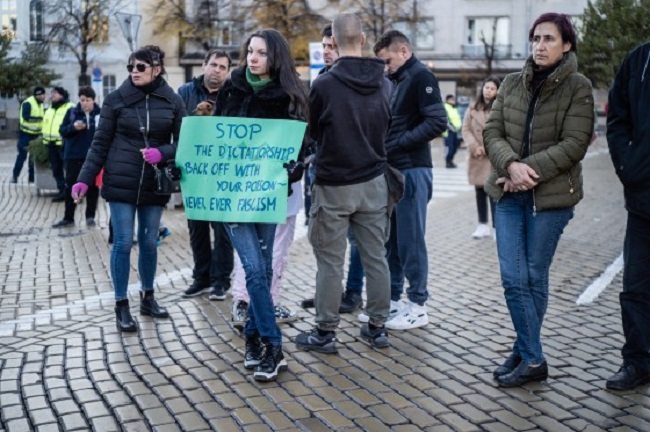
(65, 367)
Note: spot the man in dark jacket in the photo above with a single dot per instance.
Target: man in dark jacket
(349, 118)
(418, 117)
(77, 130)
(628, 136)
(212, 264)
(31, 127)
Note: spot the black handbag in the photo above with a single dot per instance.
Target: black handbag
(168, 179)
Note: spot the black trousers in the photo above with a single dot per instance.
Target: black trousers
(635, 298)
(213, 264)
(72, 170)
(55, 154)
(482, 200)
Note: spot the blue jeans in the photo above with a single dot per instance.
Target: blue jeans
(354, 283)
(407, 251)
(21, 157)
(451, 142)
(526, 243)
(123, 221)
(254, 245)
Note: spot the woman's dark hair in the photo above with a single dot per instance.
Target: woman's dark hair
(564, 26)
(281, 68)
(481, 104)
(151, 55)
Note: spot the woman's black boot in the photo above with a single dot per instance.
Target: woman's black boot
(125, 322)
(149, 306)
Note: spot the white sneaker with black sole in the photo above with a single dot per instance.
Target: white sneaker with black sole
(411, 316)
(395, 308)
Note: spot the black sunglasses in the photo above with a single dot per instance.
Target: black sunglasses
(141, 67)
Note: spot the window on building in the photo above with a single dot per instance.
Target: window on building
(419, 33)
(228, 33)
(108, 84)
(8, 13)
(481, 30)
(36, 20)
(99, 28)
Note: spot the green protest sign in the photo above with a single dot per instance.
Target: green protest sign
(232, 168)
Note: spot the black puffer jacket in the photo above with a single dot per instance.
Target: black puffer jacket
(118, 141)
(418, 116)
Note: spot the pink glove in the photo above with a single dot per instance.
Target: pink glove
(79, 189)
(152, 155)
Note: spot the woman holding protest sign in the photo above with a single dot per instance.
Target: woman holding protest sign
(137, 132)
(265, 85)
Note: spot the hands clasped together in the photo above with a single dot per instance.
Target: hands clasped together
(522, 178)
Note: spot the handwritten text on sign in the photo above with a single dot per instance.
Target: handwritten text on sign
(232, 168)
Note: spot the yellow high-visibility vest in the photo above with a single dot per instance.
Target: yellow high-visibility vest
(52, 121)
(29, 126)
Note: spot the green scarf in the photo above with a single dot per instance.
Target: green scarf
(255, 81)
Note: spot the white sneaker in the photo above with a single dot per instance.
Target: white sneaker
(395, 308)
(482, 230)
(411, 316)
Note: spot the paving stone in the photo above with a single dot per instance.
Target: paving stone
(19, 425)
(104, 424)
(513, 420)
(192, 422)
(74, 422)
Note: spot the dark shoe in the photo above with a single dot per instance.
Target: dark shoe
(450, 164)
(317, 340)
(162, 234)
(149, 306)
(90, 222)
(63, 223)
(307, 304)
(628, 377)
(30, 180)
(375, 336)
(197, 288)
(254, 352)
(59, 198)
(508, 366)
(284, 314)
(523, 374)
(217, 293)
(271, 365)
(350, 302)
(125, 322)
(239, 312)
(14, 180)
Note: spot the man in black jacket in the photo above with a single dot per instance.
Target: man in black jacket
(349, 117)
(212, 264)
(418, 117)
(628, 136)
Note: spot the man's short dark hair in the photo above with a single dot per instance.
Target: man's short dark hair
(87, 91)
(389, 38)
(327, 31)
(217, 53)
(449, 97)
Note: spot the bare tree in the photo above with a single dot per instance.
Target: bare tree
(489, 47)
(379, 16)
(75, 25)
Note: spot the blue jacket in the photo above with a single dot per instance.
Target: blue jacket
(628, 129)
(193, 93)
(77, 142)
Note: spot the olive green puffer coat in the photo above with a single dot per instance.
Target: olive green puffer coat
(562, 126)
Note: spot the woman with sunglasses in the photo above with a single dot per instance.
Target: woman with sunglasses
(138, 129)
(265, 85)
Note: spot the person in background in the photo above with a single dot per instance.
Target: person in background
(453, 129)
(628, 137)
(536, 135)
(52, 121)
(31, 127)
(478, 165)
(265, 85)
(138, 128)
(77, 130)
(213, 262)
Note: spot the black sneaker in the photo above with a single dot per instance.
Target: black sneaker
(350, 302)
(376, 336)
(628, 377)
(307, 304)
(60, 197)
(90, 222)
(217, 293)
(14, 180)
(197, 288)
(254, 352)
(271, 365)
(63, 223)
(316, 340)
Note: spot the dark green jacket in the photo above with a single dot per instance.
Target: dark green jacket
(562, 126)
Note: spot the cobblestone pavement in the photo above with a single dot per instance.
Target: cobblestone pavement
(64, 366)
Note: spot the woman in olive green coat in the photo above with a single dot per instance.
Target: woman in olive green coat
(537, 134)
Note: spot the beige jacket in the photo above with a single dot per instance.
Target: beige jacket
(478, 167)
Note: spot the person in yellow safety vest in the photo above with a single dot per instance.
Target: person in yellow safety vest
(52, 121)
(31, 125)
(453, 129)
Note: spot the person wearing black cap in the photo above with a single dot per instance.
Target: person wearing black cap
(52, 121)
(31, 125)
